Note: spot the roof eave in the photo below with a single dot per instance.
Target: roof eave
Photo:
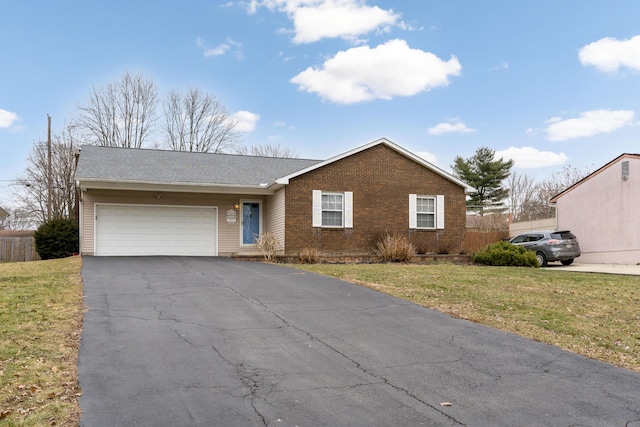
(179, 187)
(554, 200)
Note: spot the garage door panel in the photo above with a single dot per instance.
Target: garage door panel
(156, 230)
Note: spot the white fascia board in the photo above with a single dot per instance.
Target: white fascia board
(85, 184)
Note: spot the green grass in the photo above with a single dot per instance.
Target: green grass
(40, 323)
(591, 314)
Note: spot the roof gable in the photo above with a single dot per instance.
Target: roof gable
(555, 198)
(468, 189)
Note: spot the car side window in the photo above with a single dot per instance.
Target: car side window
(519, 239)
(536, 237)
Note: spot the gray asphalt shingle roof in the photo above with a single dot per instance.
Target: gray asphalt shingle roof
(179, 167)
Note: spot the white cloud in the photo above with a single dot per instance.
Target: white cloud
(429, 157)
(7, 118)
(531, 158)
(609, 54)
(588, 124)
(390, 69)
(442, 128)
(246, 121)
(504, 65)
(315, 20)
(221, 49)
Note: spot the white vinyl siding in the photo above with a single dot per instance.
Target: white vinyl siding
(426, 212)
(274, 215)
(332, 210)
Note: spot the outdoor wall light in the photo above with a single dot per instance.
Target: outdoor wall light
(236, 206)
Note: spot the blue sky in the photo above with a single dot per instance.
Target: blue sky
(547, 83)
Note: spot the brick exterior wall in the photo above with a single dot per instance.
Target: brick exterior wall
(381, 180)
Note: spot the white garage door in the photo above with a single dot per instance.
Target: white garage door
(155, 230)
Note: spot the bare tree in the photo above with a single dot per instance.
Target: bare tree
(18, 219)
(122, 113)
(5, 216)
(33, 188)
(267, 150)
(529, 200)
(197, 121)
(523, 200)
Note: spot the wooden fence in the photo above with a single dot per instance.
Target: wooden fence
(474, 240)
(18, 246)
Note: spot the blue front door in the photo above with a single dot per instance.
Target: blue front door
(250, 222)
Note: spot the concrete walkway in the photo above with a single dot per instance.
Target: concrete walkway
(633, 270)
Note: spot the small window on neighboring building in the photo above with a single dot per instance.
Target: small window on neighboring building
(625, 169)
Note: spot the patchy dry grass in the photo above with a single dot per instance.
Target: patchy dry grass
(595, 315)
(40, 322)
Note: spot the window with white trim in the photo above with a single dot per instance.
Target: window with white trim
(426, 212)
(332, 209)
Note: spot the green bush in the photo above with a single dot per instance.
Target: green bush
(505, 254)
(57, 238)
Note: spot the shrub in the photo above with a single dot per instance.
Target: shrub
(57, 238)
(309, 256)
(505, 254)
(393, 248)
(268, 245)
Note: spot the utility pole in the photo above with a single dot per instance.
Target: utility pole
(49, 183)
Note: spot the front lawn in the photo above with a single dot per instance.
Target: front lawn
(40, 322)
(591, 314)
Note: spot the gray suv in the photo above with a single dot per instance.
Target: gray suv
(550, 245)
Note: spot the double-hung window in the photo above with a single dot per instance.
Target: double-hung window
(332, 209)
(426, 212)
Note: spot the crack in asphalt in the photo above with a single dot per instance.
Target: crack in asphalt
(249, 378)
(365, 370)
(359, 366)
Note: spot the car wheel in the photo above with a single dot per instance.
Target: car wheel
(567, 261)
(542, 260)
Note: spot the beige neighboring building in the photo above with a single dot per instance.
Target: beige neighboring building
(603, 211)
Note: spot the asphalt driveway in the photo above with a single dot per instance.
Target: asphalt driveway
(178, 341)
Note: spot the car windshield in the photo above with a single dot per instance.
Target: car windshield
(563, 235)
